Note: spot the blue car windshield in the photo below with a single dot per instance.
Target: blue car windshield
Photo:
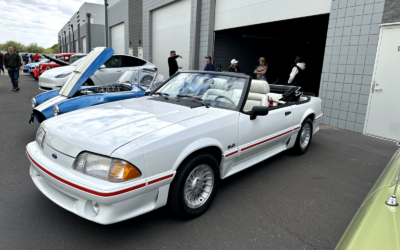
(214, 90)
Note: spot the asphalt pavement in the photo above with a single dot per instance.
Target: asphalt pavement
(286, 202)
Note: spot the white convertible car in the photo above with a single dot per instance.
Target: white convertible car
(115, 161)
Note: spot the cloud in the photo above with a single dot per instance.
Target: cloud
(36, 21)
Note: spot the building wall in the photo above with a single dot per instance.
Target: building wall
(350, 53)
(119, 13)
(135, 25)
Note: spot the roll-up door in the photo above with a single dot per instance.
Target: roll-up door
(118, 38)
(171, 31)
(238, 13)
(84, 45)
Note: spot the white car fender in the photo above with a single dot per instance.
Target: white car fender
(309, 111)
(196, 146)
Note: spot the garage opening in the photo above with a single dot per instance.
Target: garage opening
(279, 42)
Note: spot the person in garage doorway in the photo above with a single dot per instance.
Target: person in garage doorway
(261, 70)
(234, 67)
(209, 65)
(297, 74)
(172, 63)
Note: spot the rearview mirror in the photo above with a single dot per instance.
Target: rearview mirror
(102, 66)
(258, 111)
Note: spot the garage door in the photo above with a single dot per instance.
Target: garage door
(118, 38)
(84, 45)
(171, 31)
(238, 13)
(76, 46)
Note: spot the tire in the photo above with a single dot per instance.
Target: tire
(201, 162)
(303, 141)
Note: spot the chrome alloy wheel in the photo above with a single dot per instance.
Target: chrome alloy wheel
(305, 136)
(198, 186)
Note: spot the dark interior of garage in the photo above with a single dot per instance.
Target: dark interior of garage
(279, 42)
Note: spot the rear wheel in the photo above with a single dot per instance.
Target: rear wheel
(195, 186)
(303, 138)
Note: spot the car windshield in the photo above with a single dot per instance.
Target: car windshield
(214, 90)
(141, 77)
(77, 62)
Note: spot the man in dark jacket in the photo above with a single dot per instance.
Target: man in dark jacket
(12, 62)
(172, 63)
(209, 66)
(31, 56)
(1, 62)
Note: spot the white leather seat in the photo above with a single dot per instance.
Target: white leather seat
(258, 95)
(218, 88)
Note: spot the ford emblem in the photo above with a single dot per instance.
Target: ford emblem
(54, 156)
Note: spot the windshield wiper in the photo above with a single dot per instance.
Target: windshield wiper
(165, 95)
(195, 98)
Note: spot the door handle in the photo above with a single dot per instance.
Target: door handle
(288, 113)
(378, 89)
(119, 71)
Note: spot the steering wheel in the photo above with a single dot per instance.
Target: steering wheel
(227, 98)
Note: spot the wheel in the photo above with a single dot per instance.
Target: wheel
(195, 186)
(303, 138)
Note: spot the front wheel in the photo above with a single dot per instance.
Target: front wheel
(195, 186)
(303, 138)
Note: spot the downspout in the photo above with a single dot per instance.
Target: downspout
(106, 24)
(88, 33)
(65, 41)
(79, 39)
(59, 44)
(73, 38)
(197, 19)
(69, 40)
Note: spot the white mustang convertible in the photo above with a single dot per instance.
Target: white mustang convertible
(115, 161)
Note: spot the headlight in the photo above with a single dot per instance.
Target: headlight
(33, 101)
(105, 168)
(56, 110)
(63, 75)
(40, 136)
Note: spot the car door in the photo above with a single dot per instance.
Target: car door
(111, 73)
(264, 136)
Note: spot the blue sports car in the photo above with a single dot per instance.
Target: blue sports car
(72, 96)
(28, 67)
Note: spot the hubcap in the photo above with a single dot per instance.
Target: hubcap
(198, 186)
(305, 136)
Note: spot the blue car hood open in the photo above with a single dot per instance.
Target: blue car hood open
(85, 69)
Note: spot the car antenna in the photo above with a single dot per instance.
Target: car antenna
(392, 201)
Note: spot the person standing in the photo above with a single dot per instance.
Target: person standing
(12, 62)
(1, 63)
(172, 63)
(26, 59)
(261, 70)
(234, 67)
(297, 74)
(31, 56)
(36, 57)
(209, 66)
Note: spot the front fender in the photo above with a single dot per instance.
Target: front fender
(196, 146)
(45, 96)
(309, 111)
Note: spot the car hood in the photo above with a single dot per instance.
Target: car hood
(85, 69)
(57, 71)
(104, 128)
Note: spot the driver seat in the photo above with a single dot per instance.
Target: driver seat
(258, 95)
(219, 87)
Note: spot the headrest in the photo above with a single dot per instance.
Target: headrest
(259, 86)
(219, 83)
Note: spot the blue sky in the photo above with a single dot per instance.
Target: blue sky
(38, 21)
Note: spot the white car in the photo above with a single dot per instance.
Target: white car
(115, 161)
(107, 74)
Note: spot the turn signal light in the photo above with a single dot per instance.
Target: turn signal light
(123, 171)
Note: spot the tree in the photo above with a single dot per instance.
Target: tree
(34, 48)
(16, 45)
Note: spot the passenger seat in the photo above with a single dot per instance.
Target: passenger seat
(258, 95)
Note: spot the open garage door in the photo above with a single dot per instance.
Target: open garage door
(118, 38)
(239, 13)
(84, 49)
(171, 31)
(279, 43)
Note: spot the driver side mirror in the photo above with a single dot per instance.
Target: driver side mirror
(258, 111)
(102, 66)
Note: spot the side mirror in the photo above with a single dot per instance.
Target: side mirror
(258, 111)
(102, 66)
(147, 92)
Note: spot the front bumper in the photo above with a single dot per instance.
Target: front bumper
(118, 201)
(26, 70)
(50, 83)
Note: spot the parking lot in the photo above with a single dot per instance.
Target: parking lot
(286, 202)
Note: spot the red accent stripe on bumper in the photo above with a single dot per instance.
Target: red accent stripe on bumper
(319, 118)
(82, 188)
(160, 179)
(231, 153)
